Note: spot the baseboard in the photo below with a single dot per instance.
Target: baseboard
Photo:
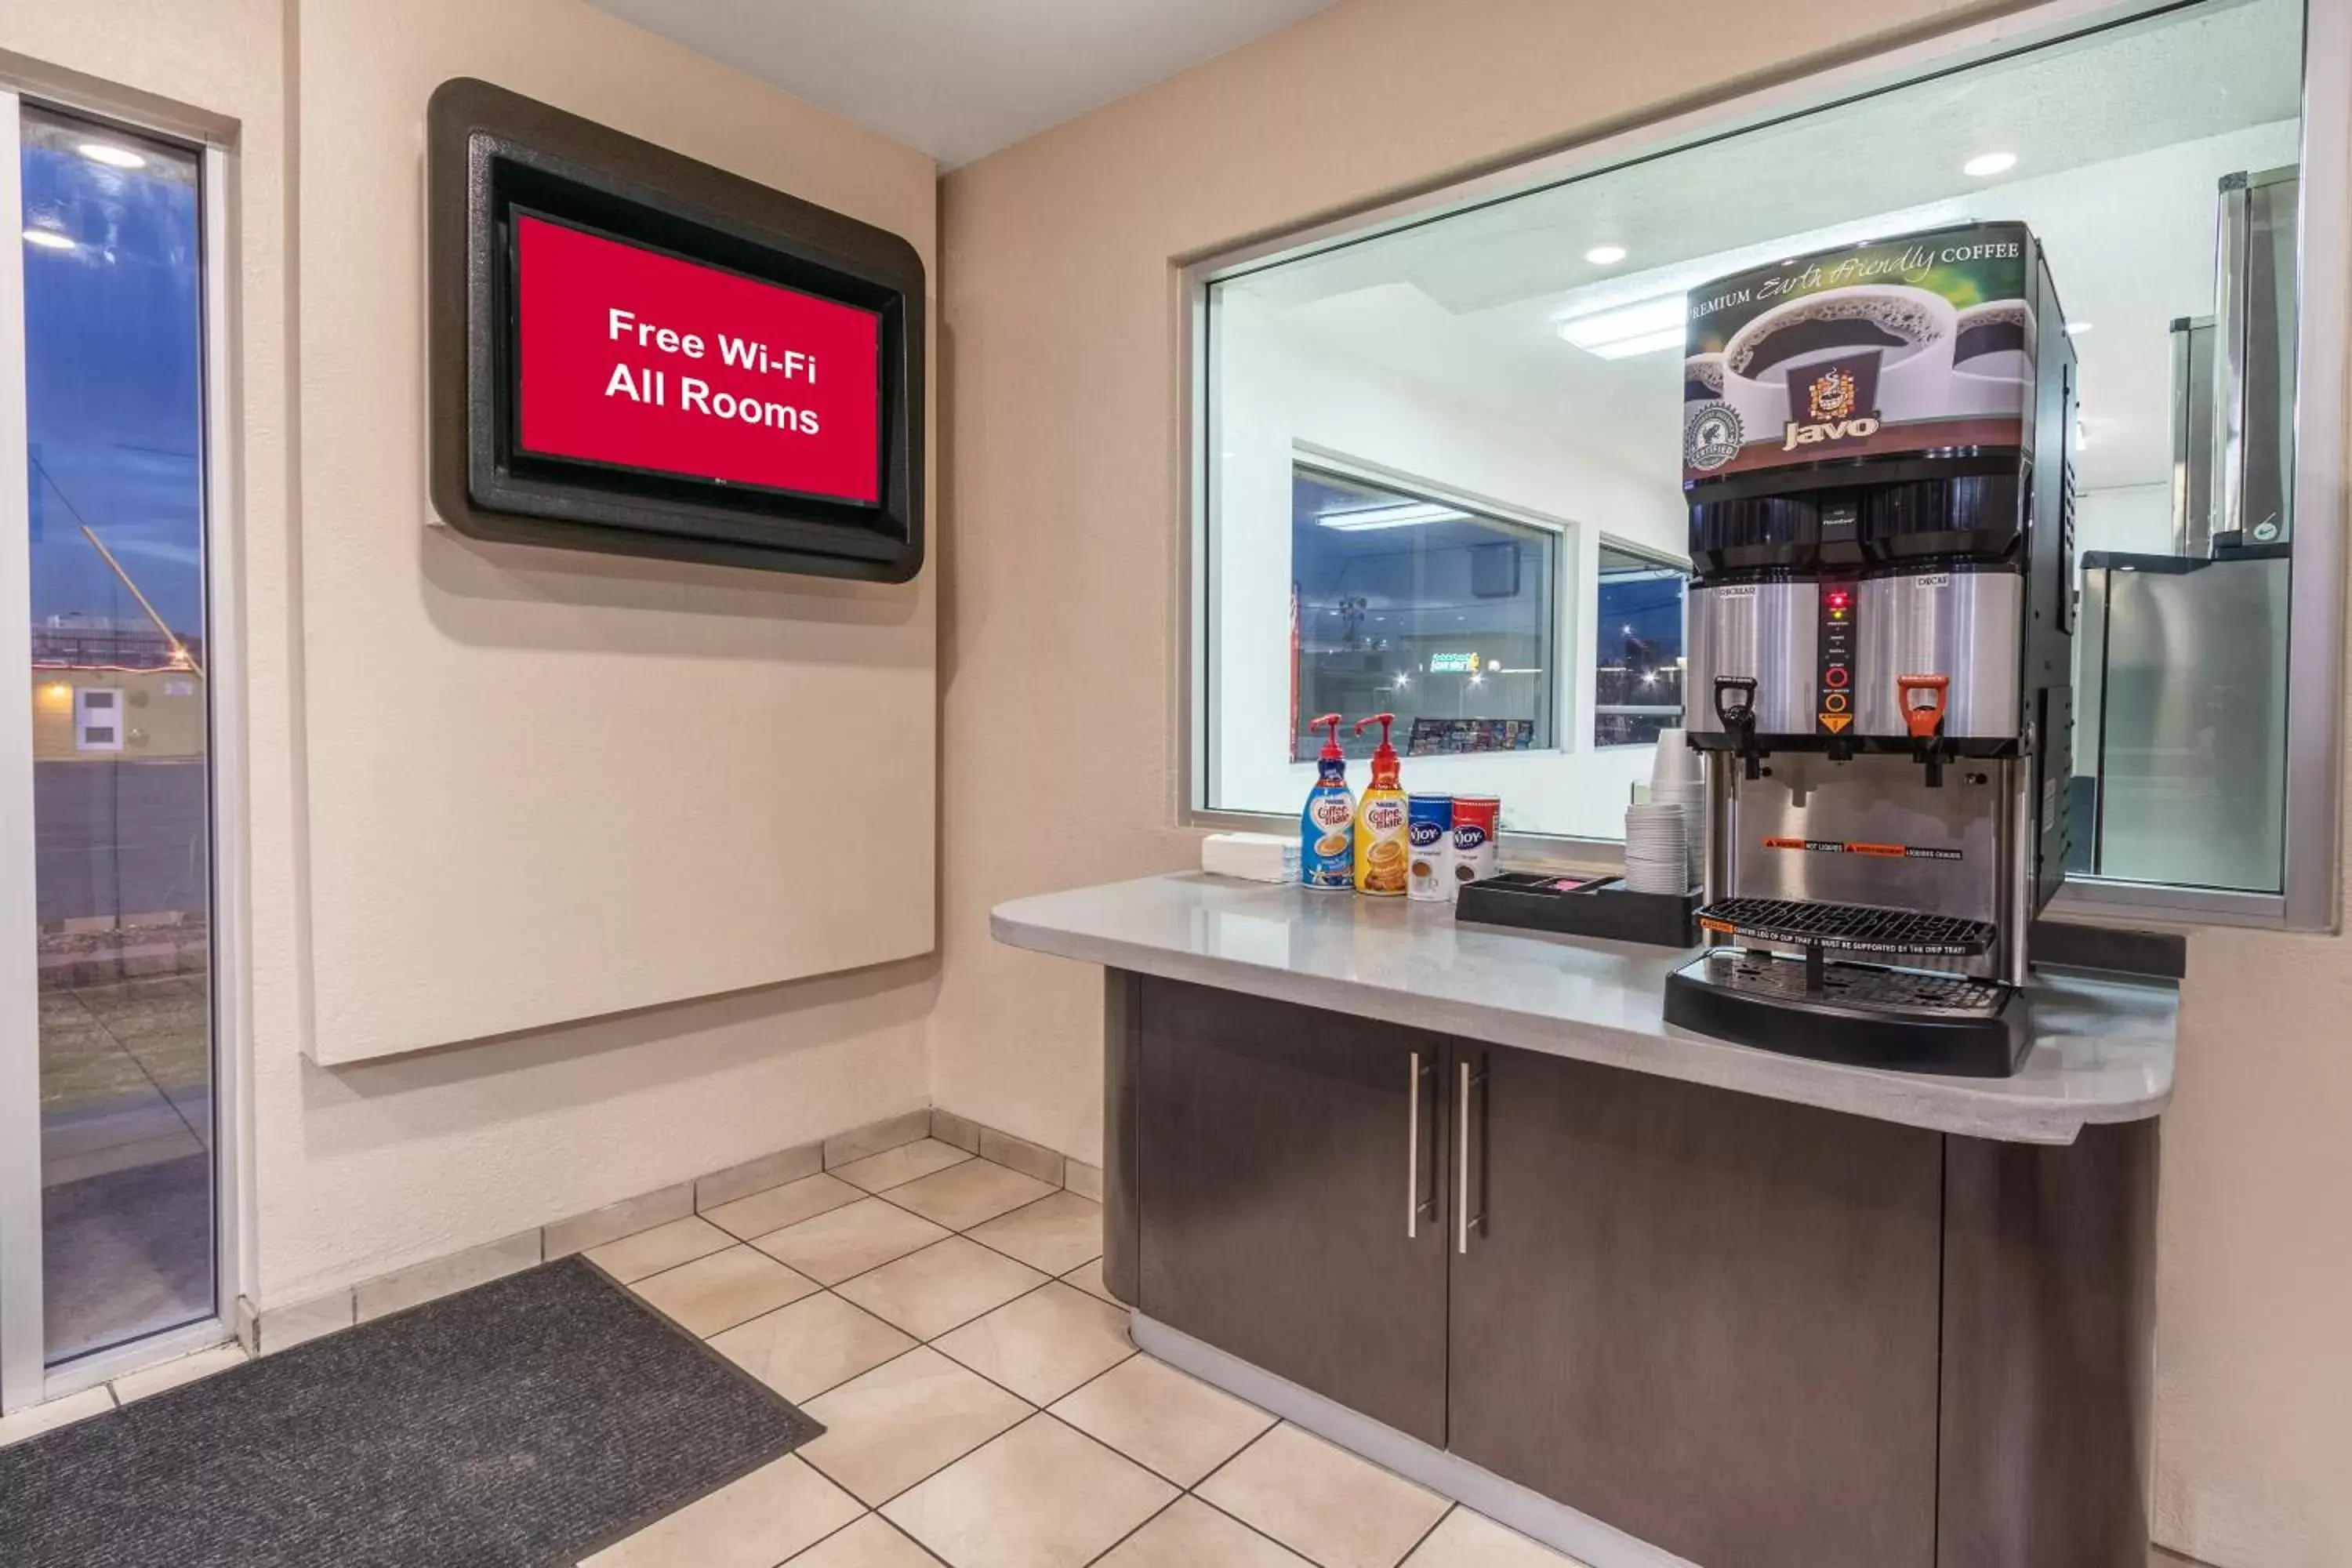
(1047, 1166)
(264, 1330)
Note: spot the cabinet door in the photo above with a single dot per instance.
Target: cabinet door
(1280, 1148)
(1706, 1318)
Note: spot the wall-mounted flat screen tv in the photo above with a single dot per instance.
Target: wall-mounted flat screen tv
(634, 351)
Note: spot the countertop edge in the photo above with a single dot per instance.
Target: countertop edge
(1718, 1064)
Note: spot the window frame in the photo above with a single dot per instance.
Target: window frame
(2310, 897)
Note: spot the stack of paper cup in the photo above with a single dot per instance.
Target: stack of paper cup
(1674, 781)
(1657, 849)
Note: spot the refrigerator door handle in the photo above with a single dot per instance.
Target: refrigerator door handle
(2232, 326)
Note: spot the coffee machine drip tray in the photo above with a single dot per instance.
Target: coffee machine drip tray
(1848, 928)
(1864, 1014)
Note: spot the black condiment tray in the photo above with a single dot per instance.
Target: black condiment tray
(1580, 906)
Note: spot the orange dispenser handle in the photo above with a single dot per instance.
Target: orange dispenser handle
(1926, 719)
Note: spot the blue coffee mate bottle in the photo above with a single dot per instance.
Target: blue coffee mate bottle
(1326, 828)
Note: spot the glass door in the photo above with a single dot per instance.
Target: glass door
(106, 902)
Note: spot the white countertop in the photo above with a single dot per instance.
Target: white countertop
(2102, 1048)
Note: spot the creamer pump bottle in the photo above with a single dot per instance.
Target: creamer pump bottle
(1382, 846)
(1327, 857)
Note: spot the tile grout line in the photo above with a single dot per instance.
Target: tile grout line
(947, 1464)
(1030, 1408)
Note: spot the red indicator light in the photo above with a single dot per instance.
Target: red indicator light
(1837, 601)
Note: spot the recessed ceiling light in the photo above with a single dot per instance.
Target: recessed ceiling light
(48, 239)
(1986, 164)
(1605, 255)
(2076, 329)
(113, 157)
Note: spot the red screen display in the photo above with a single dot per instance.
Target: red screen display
(644, 361)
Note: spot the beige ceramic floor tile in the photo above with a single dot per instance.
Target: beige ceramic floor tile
(1041, 1496)
(850, 1240)
(757, 1523)
(896, 1167)
(949, 1282)
(1044, 1344)
(1058, 1233)
(55, 1412)
(1469, 1540)
(779, 1206)
(872, 1542)
(803, 1350)
(1192, 1534)
(964, 1196)
(1322, 1501)
(723, 1289)
(1162, 1418)
(633, 1258)
(173, 1373)
(1088, 1277)
(889, 1428)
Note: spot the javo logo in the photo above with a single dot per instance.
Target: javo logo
(1832, 396)
(1830, 401)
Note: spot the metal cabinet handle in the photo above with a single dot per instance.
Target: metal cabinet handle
(1462, 1158)
(1412, 1152)
(1464, 1221)
(1463, 1218)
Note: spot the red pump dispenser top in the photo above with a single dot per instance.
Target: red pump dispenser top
(1385, 771)
(1331, 752)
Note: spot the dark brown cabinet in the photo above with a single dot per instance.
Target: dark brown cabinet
(1756, 1334)
(1278, 1155)
(1707, 1319)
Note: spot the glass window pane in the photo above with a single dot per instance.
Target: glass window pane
(1638, 682)
(1525, 360)
(1420, 609)
(113, 353)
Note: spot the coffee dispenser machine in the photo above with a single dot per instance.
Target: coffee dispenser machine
(1877, 448)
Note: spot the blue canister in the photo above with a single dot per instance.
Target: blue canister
(1429, 847)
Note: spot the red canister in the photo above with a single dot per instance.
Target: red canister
(1476, 819)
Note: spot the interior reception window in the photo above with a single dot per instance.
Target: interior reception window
(1521, 355)
(1416, 607)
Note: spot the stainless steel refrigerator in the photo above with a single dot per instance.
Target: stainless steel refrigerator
(2180, 719)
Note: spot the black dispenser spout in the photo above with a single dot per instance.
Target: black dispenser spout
(1735, 706)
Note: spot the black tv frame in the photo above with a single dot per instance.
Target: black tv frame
(489, 152)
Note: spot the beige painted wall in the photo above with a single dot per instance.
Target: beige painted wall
(483, 723)
(352, 1172)
(503, 833)
(1062, 696)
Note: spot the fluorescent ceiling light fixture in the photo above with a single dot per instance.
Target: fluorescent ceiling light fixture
(113, 157)
(48, 239)
(1605, 255)
(1984, 165)
(2076, 329)
(1643, 327)
(1406, 514)
(1648, 286)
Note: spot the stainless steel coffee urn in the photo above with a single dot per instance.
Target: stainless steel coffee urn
(1878, 457)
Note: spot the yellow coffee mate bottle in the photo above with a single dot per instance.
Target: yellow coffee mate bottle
(1383, 849)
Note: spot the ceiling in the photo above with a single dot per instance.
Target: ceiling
(2119, 141)
(959, 78)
